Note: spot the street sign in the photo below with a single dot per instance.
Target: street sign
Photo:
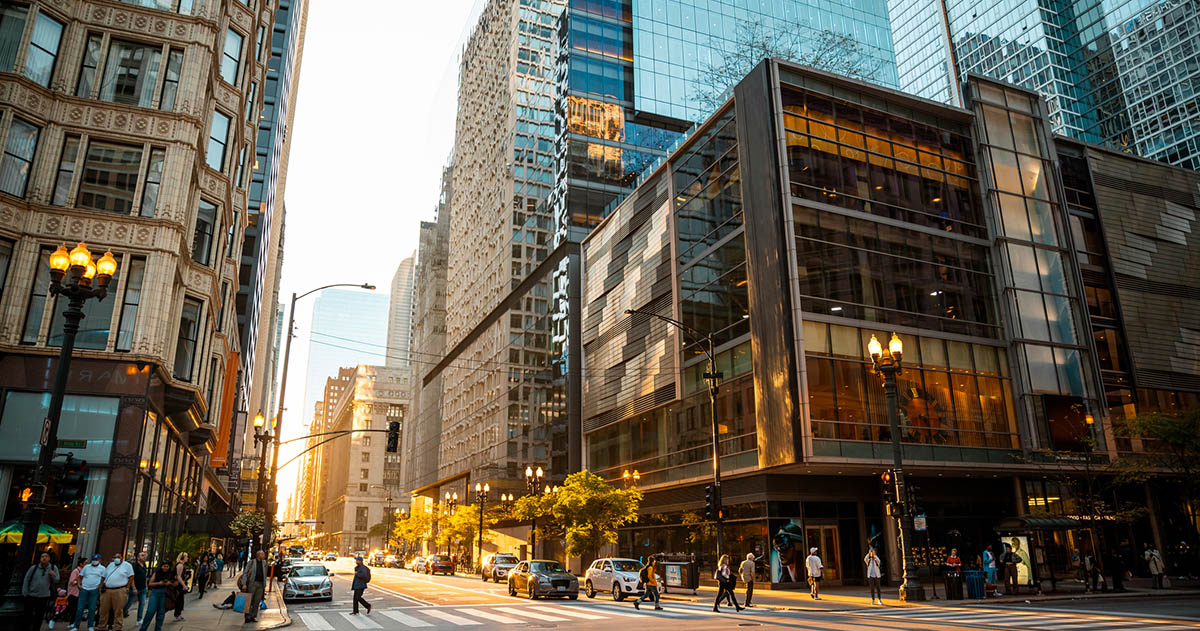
(919, 522)
(72, 444)
(45, 440)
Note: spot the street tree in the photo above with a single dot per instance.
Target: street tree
(247, 523)
(590, 510)
(753, 41)
(538, 507)
(462, 528)
(411, 530)
(1170, 449)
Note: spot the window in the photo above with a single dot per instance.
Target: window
(366, 456)
(258, 44)
(18, 157)
(240, 180)
(189, 334)
(154, 171)
(182, 6)
(43, 49)
(130, 73)
(170, 87)
(361, 517)
(87, 70)
(231, 56)
(366, 441)
(66, 171)
(362, 488)
(250, 101)
(37, 300)
(110, 177)
(129, 304)
(202, 238)
(224, 304)
(364, 474)
(12, 25)
(212, 390)
(6, 251)
(218, 137)
(94, 329)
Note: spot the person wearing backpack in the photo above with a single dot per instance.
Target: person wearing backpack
(362, 576)
(726, 580)
(648, 577)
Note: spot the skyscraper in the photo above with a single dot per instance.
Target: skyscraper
(348, 328)
(400, 314)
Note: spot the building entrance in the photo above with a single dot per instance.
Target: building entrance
(825, 540)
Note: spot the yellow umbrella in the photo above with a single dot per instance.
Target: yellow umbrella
(11, 533)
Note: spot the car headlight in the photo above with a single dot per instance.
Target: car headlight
(545, 580)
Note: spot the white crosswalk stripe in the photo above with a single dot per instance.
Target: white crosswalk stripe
(406, 619)
(1020, 619)
(361, 622)
(525, 611)
(449, 617)
(315, 622)
(572, 611)
(489, 615)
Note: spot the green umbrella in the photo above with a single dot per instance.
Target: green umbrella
(12, 532)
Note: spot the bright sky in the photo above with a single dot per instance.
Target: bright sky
(374, 126)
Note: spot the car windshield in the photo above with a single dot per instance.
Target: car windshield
(442, 558)
(505, 558)
(546, 566)
(309, 570)
(626, 566)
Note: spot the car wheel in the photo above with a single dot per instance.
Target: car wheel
(589, 589)
(532, 592)
(512, 590)
(616, 593)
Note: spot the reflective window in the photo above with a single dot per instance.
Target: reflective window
(43, 49)
(129, 303)
(38, 293)
(87, 68)
(218, 138)
(17, 161)
(154, 171)
(130, 73)
(110, 177)
(66, 171)
(231, 56)
(12, 26)
(189, 336)
(170, 84)
(202, 237)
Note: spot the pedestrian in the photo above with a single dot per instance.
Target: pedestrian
(362, 576)
(61, 606)
(181, 589)
(989, 566)
(747, 571)
(73, 589)
(254, 583)
(201, 574)
(276, 572)
(1157, 567)
(648, 576)
(726, 581)
(1116, 565)
(874, 574)
(1091, 571)
(138, 593)
(1009, 561)
(38, 589)
(89, 592)
(160, 584)
(815, 569)
(114, 593)
(218, 569)
(953, 562)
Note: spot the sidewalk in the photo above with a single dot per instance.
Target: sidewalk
(199, 614)
(859, 597)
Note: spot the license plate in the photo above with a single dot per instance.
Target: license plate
(561, 588)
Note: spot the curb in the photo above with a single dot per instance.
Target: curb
(287, 620)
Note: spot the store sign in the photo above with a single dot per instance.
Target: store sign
(920, 523)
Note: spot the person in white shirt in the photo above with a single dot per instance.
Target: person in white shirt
(874, 565)
(89, 592)
(813, 562)
(114, 592)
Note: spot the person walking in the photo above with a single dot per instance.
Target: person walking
(114, 593)
(1009, 560)
(180, 590)
(874, 574)
(38, 588)
(747, 571)
(1091, 571)
(202, 574)
(138, 592)
(815, 569)
(362, 576)
(726, 580)
(1156, 566)
(73, 589)
(1116, 565)
(164, 579)
(254, 582)
(989, 565)
(218, 569)
(89, 593)
(649, 579)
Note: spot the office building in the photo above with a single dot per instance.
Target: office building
(1116, 73)
(314, 468)
(349, 327)
(122, 127)
(400, 314)
(812, 212)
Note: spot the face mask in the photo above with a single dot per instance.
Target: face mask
(95, 563)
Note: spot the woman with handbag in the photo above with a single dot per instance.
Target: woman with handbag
(181, 572)
(726, 580)
(161, 584)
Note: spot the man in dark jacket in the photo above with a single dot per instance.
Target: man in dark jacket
(362, 576)
(37, 588)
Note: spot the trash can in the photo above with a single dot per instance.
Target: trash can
(974, 585)
(954, 587)
(678, 571)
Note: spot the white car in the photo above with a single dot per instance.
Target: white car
(618, 577)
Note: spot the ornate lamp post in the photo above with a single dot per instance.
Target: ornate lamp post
(481, 493)
(262, 438)
(451, 502)
(533, 480)
(887, 363)
(635, 476)
(77, 277)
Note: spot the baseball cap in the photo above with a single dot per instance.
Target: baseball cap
(813, 549)
(358, 558)
(97, 556)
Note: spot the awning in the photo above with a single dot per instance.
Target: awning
(1018, 524)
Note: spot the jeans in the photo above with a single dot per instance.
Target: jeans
(876, 593)
(140, 597)
(359, 599)
(749, 592)
(35, 611)
(89, 601)
(651, 593)
(157, 610)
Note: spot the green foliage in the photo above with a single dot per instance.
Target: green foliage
(541, 507)
(590, 510)
(378, 530)
(1171, 446)
(698, 528)
(412, 529)
(193, 543)
(463, 527)
(248, 523)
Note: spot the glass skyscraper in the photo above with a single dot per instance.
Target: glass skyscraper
(1115, 72)
(348, 328)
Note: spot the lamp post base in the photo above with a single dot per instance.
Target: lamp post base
(912, 593)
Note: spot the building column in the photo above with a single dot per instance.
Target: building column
(1152, 508)
(124, 460)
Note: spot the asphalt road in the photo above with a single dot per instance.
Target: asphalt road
(403, 600)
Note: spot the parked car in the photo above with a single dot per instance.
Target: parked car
(542, 578)
(331, 556)
(497, 566)
(618, 577)
(376, 559)
(307, 581)
(419, 564)
(439, 563)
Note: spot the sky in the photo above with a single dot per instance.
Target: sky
(374, 125)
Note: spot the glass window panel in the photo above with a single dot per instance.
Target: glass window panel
(6, 250)
(94, 329)
(130, 73)
(1013, 217)
(218, 138)
(933, 353)
(37, 300)
(960, 355)
(1023, 264)
(1025, 133)
(85, 418)
(1035, 177)
(17, 161)
(1051, 268)
(202, 238)
(938, 408)
(110, 177)
(12, 25)
(1070, 371)
(87, 69)
(1031, 310)
(998, 131)
(1043, 376)
(851, 400)
(189, 334)
(66, 171)
(170, 89)
(967, 406)
(43, 49)
(816, 337)
(846, 342)
(986, 362)
(1041, 220)
(1007, 175)
(129, 304)
(821, 403)
(1062, 325)
(231, 56)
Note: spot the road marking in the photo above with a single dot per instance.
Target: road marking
(516, 611)
(405, 619)
(315, 622)
(570, 611)
(495, 617)
(405, 597)
(360, 621)
(451, 618)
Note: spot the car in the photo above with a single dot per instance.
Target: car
(419, 563)
(331, 556)
(439, 563)
(358, 553)
(392, 561)
(497, 566)
(313, 556)
(541, 578)
(618, 577)
(376, 559)
(307, 581)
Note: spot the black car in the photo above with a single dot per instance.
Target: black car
(542, 578)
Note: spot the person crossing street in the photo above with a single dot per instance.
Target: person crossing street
(649, 579)
(726, 580)
(362, 576)
(747, 572)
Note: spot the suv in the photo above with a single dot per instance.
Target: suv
(497, 566)
(542, 578)
(439, 563)
(618, 577)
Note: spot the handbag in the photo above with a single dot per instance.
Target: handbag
(1166, 581)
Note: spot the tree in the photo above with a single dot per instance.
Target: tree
(1171, 448)
(590, 510)
(412, 530)
(754, 41)
(539, 507)
(463, 527)
(248, 523)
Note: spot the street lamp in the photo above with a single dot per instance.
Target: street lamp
(635, 476)
(888, 365)
(533, 480)
(77, 277)
(481, 493)
(262, 438)
(713, 377)
(451, 502)
(287, 353)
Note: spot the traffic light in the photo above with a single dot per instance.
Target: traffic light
(888, 488)
(710, 505)
(72, 484)
(393, 439)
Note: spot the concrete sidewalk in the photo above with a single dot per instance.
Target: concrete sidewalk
(199, 614)
(856, 597)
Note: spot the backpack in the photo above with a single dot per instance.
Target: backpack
(643, 576)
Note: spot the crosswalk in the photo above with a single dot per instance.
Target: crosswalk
(1026, 619)
(481, 616)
